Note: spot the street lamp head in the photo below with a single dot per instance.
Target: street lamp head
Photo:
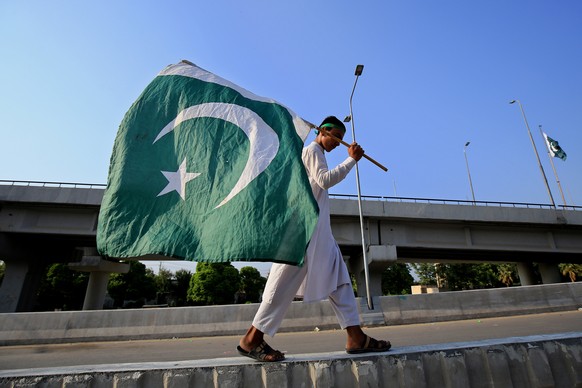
(467, 143)
(348, 119)
(512, 101)
(359, 70)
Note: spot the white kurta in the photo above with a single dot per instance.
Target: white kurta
(324, 274)
(326, 270)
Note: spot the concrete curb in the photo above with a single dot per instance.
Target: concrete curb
(546, 360)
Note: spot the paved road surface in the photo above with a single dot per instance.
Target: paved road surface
(180, 349)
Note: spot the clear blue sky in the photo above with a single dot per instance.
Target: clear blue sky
(437, 74)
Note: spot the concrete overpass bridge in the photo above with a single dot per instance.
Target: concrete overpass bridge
(445, 231)
(43, 222)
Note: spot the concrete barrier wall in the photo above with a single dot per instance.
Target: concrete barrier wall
(537, 361)
(109, 325)
(448, 306)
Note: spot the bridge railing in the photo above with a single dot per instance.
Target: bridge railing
(53, 184)
(457, 202)
(339, 196)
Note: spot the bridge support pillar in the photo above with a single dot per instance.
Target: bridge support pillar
(24, 269)
(12, 286)
(19, 287)
(550, 273)
(379, 258)
(98, 278)
(96, 290)
(526, 273)
(375, 281)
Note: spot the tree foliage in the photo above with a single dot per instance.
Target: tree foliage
(507, 274)
(457, 277)
(62, 288)
(180, 287)
(134, 288)
(571, 271)
(172, 288)
(163, 282)
(426, 273)
(251, 284)
(396, 279)
(214, 283)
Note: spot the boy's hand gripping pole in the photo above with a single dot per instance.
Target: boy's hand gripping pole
(326, 132)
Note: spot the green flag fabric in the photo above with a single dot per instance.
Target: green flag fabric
(554, 148)
(205, 170)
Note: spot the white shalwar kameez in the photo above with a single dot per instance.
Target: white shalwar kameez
(324, 273)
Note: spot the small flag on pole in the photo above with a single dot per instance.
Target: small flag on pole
(554, 148)
(205, 170)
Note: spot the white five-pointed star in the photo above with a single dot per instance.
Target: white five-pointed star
(177, 180)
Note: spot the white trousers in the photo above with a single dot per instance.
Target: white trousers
(282, 285)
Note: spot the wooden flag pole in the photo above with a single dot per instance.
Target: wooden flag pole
(328, 133)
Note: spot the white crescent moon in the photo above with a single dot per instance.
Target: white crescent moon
(264, 142)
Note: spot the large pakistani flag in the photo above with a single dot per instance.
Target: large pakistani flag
(205, 170)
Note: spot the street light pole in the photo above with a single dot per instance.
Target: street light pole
(553, 166)
(536, 151)
(350, 118)
(469, 171)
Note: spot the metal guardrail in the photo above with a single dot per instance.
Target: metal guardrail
(53, 184)
(348, 196)
(459, 202)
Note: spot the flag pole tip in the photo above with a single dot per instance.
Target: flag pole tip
(311, 125)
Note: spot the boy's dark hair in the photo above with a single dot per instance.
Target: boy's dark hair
(335, 122)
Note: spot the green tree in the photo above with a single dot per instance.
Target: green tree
(469, 276)
(251, 284)
(214, 284)
(427, 274)
(136, 286)
(507, 273)
(163, 281)
(62, 288)
(459, 276)
(572, 271)
(396, 279)
(180, 287)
